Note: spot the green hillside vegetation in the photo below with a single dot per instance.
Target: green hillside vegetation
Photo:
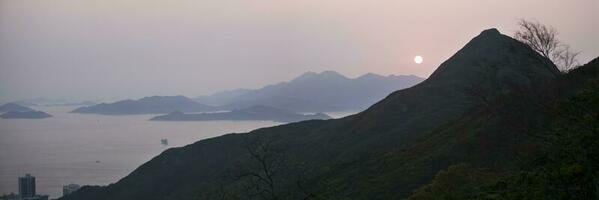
(495, 121)
(566, 158)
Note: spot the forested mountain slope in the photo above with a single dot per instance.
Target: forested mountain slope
(484, 106)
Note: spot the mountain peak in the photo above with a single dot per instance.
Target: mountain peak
(165, 98)
(329, 74)
(307, 74)
(14, 107)
(492, 56)
(491, 31)
(370, 76)
(147, 105)
(487, 67)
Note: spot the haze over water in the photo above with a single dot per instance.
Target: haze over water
(64, 149)
(106, 50)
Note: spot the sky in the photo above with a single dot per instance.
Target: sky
(106, 50)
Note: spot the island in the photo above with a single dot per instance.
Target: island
(259, 112)
(14, 107)
(146, 105)
(25, 115)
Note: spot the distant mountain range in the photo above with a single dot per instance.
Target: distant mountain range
(25, 115)
(14, 107)
(311, 92)
(16, 111)
(221, 98)
(252, 113)
(315, 92)
(52, 102)
(478, 128)
(147, 105)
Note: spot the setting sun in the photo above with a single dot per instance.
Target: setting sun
(292, 100)
(418, 59)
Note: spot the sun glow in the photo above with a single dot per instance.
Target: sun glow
(418, 59)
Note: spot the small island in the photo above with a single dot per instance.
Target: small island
(25, 115)
(146, 105)
(258, 112)
(14, 107)
(16, 111)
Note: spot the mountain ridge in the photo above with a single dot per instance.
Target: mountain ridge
(25, 115)
(384, 152)
(327, 91)
(7, 107)
(146, 105)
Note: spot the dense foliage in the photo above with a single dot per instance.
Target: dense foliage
(565, 168)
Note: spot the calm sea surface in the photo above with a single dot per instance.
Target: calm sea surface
(92, 149)
(89, 149)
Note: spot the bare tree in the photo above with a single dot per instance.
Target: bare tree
(539, 37)
(566, 59)
(267, 173)
(543, 39)
(271, 174)
(266, 163)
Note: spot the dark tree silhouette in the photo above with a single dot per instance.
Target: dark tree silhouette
(267, 162)
(543, 39)
(267, 173)
(566, 58)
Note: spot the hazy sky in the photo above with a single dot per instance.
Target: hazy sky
(115, 49)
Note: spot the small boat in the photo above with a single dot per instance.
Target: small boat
(164, 142)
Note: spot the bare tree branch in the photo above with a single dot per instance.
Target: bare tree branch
(543, 39)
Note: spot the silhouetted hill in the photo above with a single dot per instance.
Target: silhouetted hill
(482, 106)
(220, 98)
(539, 144)
(14, 107)
(147, 105)
(251, 113)
(25, 115)
(52, 102)
(316, 92)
